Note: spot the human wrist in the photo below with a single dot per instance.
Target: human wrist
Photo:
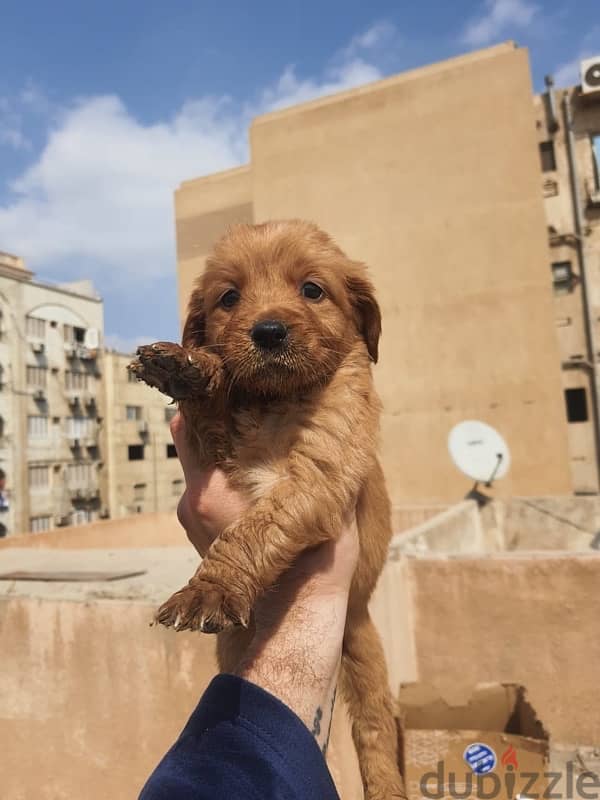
(296, 657)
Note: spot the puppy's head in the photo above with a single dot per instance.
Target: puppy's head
(283, 306)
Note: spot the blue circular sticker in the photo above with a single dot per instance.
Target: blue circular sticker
(480, 758)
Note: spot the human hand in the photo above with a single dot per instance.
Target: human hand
(299, 624)
(208, 504)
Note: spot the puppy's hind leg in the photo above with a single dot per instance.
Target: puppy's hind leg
(364, 685)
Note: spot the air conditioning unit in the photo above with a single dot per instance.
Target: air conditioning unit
(85, 354)
(38, 347)
(593, 193)
(91, 338)
(590, 75)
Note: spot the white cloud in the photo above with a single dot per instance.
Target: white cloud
(101, 191)
(379, 35)
(291, 90)
(16, 114)
(498, 19)
(11, 126)
(567, 73)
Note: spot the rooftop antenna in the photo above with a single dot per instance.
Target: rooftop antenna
(480, 453)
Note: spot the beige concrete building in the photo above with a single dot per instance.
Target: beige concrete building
(142, 472)
(79, 440)
(431, 177)
(50, 400)
(568, 128)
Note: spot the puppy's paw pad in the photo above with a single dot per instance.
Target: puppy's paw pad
(203, 606)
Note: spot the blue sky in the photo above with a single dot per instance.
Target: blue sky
(106, 107)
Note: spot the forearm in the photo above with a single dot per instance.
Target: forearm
(297, 658)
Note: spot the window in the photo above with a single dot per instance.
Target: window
(35, 327)
(37, 427)
(79, 476)
(596, 158)
(177, 487)
(133, 413)
(135, 452)
(82, 516)
(79, 427)
(562, 277)
(170, 412)
(171, 451)
(36, 376)
(73, 335)
(39, 524)
(76, 380)
(39, 477)
(576, 401)
(547, 156)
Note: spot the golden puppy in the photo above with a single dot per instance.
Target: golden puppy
(274, 380)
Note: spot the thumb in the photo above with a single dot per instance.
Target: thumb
(187, 457)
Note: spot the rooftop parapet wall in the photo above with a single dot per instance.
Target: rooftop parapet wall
(87, 682)
(139, 530)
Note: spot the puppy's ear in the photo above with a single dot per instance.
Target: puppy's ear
(194, 330)
(366, 308)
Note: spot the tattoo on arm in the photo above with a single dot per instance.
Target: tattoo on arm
(326, 745)
(316, 728)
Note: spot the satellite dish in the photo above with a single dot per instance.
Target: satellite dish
(479, 451)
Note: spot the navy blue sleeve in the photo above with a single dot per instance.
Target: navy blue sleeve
(241, 743)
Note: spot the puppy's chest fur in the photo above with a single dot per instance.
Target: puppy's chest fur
(312, 433)
(261, 438)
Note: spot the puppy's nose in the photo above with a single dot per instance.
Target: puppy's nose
(269, 334)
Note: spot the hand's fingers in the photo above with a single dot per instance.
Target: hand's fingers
(186, 455)
(190, 521)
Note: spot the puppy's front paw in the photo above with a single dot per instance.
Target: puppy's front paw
(177, 372)
(204, 606)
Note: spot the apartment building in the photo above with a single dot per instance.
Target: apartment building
(432, 178)
(568, 129)
(80, 438)
(50, 401)
(142, 472)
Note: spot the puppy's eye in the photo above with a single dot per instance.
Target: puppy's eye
(230, 298)
(311, 291)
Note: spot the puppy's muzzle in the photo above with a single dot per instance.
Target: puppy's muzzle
(270, 334)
